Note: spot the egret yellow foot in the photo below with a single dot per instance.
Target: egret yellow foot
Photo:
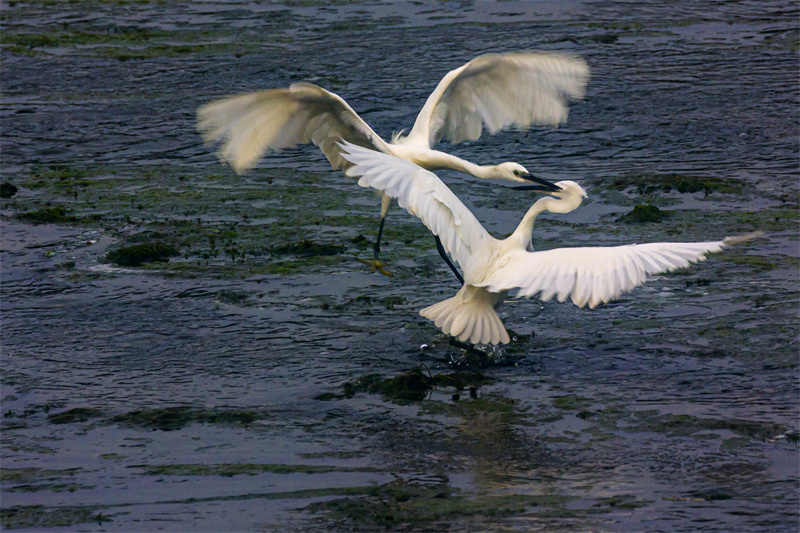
(377, 266)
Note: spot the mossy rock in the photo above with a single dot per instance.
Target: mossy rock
(683, 425)
(237, 469)
(643, 213)
(7, 190)
(55, 173)
(78, 414)
(360, 242)
(571, 402)
(137, 254)
(307, 248)
(404, 506)
(41, 517)
(605, 38)
(47, 215)
(648, 183)
(413, 385)
(173, 418)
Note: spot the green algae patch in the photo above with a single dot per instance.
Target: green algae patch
(335, 455)
(760, 263)
(474, 407)
(49, 487)
(617, 25)
(425, 507)
(361, 242)
(710, 495)
(47, 215)
(787, 39)
(307, 248)
(218, 225)
(173, 418)
(78, 414)
(232, 296)
(129, 43)
(604, 38)
(622, 501)
(571, 402)
(734, 444)
(412, 386)
(33, 475)
(249, 469)
(647, 183)
(56, 215)
(40, 517)
(138, 254)
(685, 425)
(643, 213)
(387, 302)
(783, 218)
(58, 173)
(291, 267)
(81, 37)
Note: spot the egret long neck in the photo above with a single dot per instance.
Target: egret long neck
(434, 160)
(522, 235)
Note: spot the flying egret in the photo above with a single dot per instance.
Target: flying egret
(493, 268)
(495, 90)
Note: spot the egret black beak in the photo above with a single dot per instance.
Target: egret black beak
(541, 185)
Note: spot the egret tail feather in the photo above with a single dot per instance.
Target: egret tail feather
(469, 316)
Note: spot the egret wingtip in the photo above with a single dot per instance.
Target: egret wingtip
(738, 239)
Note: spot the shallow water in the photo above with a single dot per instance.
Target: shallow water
(208, 392)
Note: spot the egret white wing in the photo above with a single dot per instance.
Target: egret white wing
(595, 275)
(249, 125)
(421, 193)
(501, 91)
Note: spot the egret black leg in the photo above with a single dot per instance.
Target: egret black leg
(440, 248)
(377, 248)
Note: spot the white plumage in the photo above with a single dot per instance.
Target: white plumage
(493, 268)
(495, 90)
(252, 124)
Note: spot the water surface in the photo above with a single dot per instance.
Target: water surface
(222, 390)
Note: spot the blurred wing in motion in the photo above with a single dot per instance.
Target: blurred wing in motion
(250, 125)
(501, 91)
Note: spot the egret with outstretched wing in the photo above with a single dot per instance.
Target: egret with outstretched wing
(493, 268)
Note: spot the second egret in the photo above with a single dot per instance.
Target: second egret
(493, 268)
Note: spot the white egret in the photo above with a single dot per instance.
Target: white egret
(495, 90)
(492, 268)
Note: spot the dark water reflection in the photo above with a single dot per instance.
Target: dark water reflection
(195, 392)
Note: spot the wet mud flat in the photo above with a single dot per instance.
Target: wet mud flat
(185, 348)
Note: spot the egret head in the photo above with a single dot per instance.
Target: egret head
(568, 188)
(516, 172)
(570, 195)
(512, 171)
